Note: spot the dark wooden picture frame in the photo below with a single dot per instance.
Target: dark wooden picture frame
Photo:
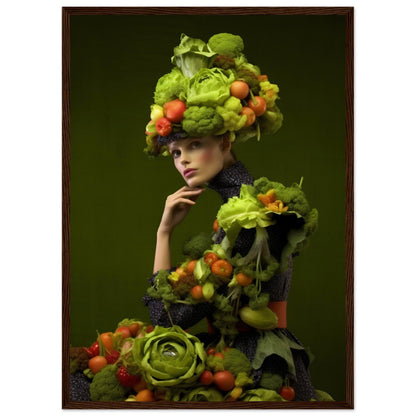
(348, 12)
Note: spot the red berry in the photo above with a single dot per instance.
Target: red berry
(126, 379)
(112, 357)
(94, 350)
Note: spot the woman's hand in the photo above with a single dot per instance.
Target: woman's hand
(177, 207)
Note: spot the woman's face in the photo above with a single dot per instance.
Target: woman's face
(199, 159)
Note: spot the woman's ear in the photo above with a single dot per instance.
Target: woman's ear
(226, 143)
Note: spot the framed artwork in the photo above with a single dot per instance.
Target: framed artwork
(113, 194)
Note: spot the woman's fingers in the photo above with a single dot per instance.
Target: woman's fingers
(176, 201)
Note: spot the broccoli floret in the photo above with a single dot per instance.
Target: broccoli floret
(105, 386)
(195, 245)
(230, 112)
(271, 121)
(271, 381)
(170, 86)
(236, 362)
(78, 359)
(260, 301)
(201, 121)
(226, 44)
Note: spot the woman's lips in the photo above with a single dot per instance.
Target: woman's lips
(188, 172)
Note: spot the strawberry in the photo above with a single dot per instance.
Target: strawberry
(94, 350)
(126, 379)
(112, 357)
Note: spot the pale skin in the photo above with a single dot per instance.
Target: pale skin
(198, 160)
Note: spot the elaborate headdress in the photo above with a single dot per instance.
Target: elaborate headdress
(211, 90)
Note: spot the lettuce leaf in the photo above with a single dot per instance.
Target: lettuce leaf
(209, 87)
(191, 55)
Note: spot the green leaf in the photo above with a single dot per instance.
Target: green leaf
(270, 343)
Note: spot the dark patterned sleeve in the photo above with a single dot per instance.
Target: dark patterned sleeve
(183, 315)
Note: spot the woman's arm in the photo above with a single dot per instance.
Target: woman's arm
(177, 207)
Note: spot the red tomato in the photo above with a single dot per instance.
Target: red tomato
(124, 331)
(249, 113)
(224, 380)
(239, 89)
(287, 393)
(174, 110)
(222, 268)
(97, 363)
(164, 126)
(215, 226)
(210, 258)
(259, 108)
(196, 292)
(219, 355)
(206, 378)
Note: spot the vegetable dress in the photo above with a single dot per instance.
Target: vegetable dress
(277, 357)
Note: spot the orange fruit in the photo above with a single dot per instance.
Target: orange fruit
(145, 395)
(243, 279)
(97, 363)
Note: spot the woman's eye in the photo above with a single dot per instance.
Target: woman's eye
(196, 145)
(175, 153)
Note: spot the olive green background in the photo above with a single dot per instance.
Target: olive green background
(117, 194)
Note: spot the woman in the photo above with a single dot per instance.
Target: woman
(213, 97)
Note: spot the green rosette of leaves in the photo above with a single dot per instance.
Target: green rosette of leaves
(170, 357)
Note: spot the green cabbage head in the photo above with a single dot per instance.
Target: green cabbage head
(170, 357)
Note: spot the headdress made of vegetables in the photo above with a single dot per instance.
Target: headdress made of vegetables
(211, 90)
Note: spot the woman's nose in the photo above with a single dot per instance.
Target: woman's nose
(184, 159)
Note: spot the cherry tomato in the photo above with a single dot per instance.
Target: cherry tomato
(150, 328)
(243, 279)
(206, 378)
(287, 393)
(239, 89)
(134, 328)
(145, 395)
(219, 355)
(222, 268)
(224, 380)
(97, 363)
(191, 266)
(196, 292)
(211, 351)
(259, 108)
(262, 78)
(163, 126)
(215, 226)
(210, 258)
(124, 331)
(249, 113)
(174, 110)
